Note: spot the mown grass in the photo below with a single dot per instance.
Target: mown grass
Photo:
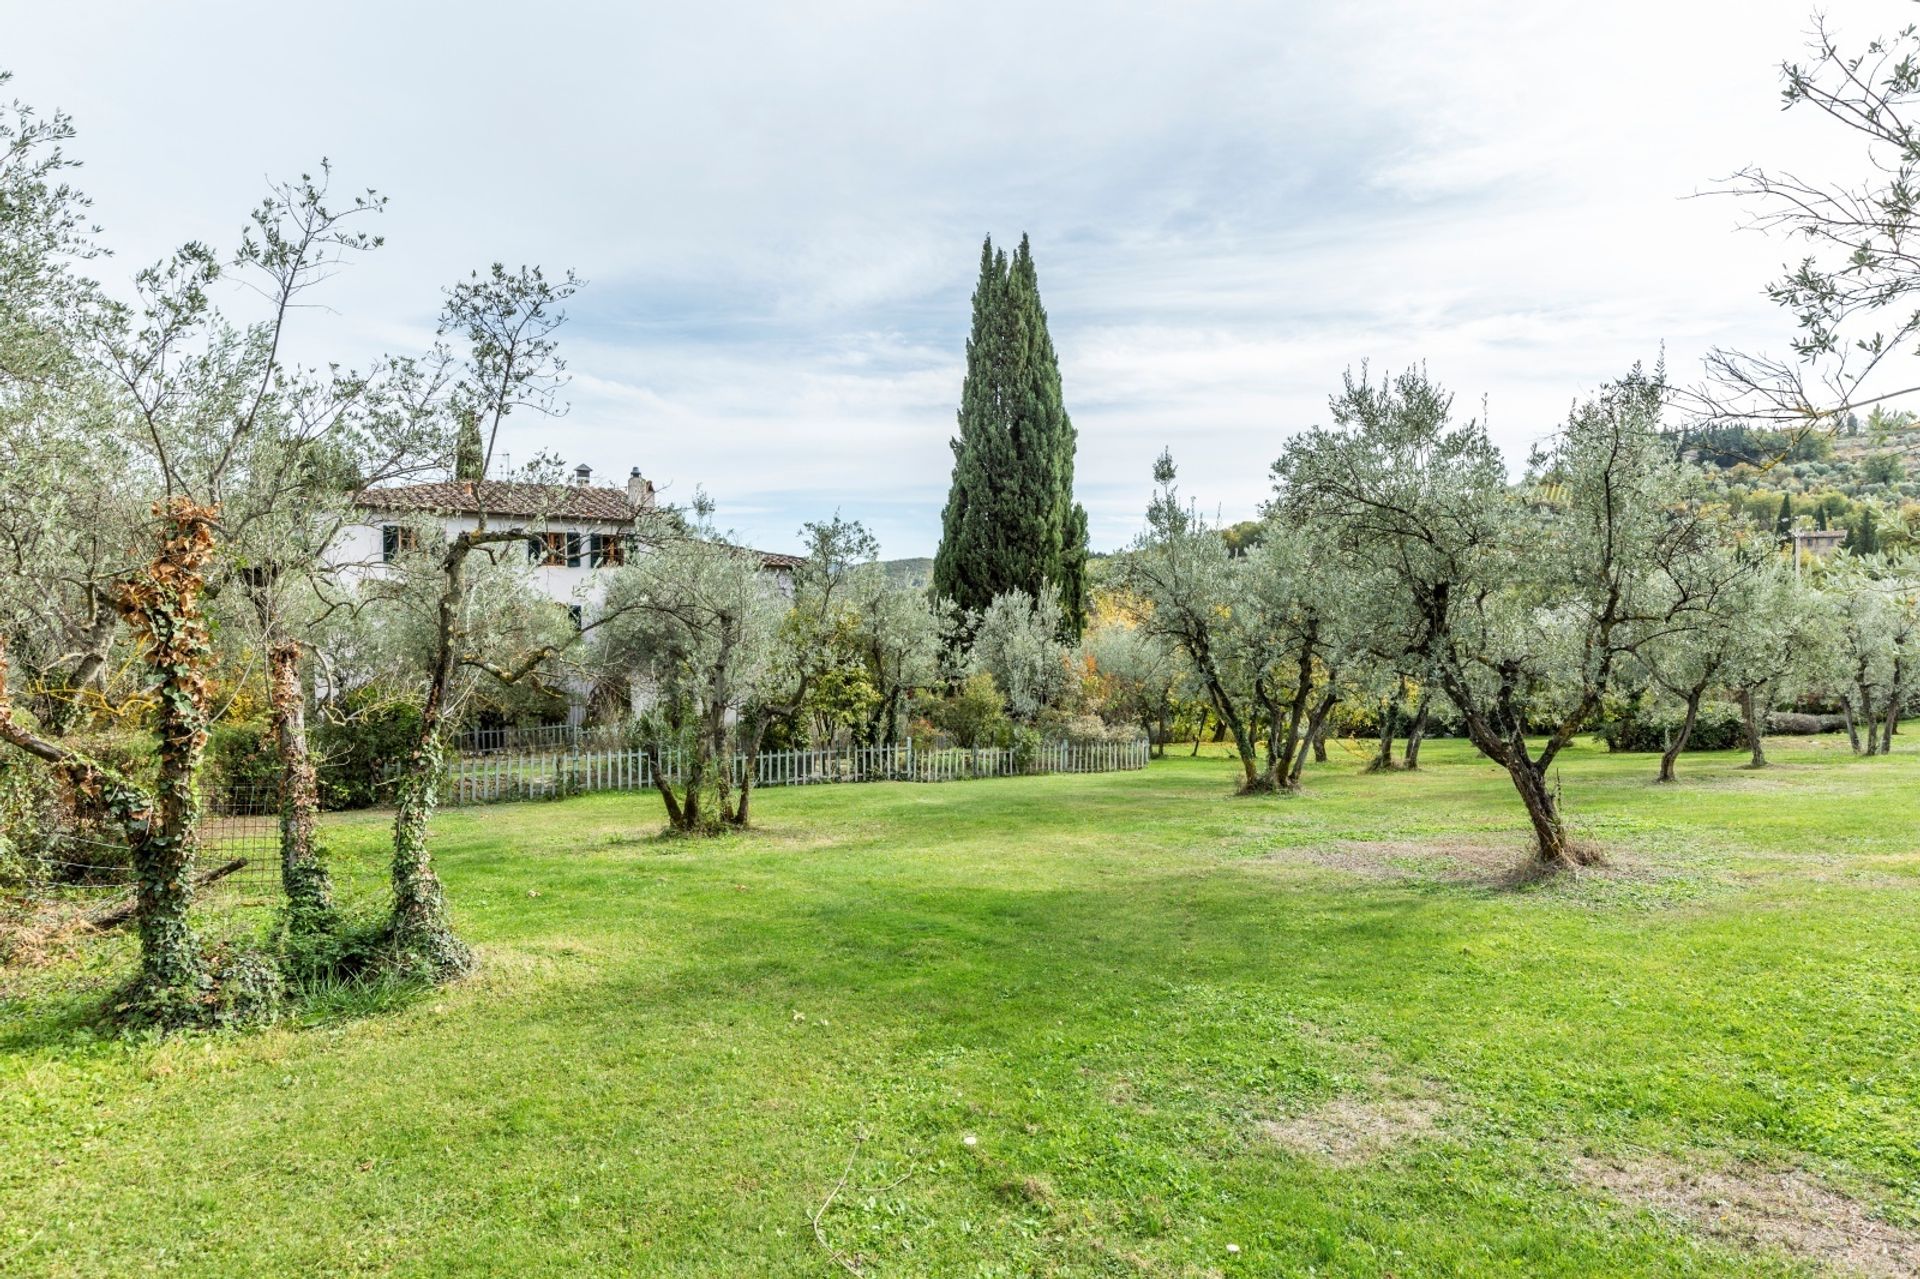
(673, 1049)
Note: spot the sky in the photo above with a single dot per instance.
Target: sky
(778, 208)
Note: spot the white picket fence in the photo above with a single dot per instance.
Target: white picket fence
(497, 778)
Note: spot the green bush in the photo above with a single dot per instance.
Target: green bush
(242, 757)
(357, 742)
(976, 715)
(1644, 724)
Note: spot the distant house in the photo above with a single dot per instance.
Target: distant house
(584, 531)
(1818, 542)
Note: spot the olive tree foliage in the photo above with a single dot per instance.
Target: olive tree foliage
(69, 497)
(695, 623)
(1700, 617)
(1853, 291)
(1262, 632)
(1875, 635)
(1138, 676)
(1016, 641)
(1525, 604)
(1785, 643)
(896, 633)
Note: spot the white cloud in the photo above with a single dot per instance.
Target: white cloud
(779, 207)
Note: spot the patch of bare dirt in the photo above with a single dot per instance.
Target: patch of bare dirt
(1466, 862)
(1783, 1209)
(1353, 1130)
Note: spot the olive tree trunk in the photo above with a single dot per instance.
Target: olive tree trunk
(1416, 733)
(303, 876)
(1750, 723)
(1671, 755)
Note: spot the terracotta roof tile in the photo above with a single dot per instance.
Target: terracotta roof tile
(496, 497)
(527, 501)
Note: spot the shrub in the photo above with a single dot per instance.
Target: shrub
(1647, 725)
(975, 715)
(357, 746)
(1083, 730)
(242, 757)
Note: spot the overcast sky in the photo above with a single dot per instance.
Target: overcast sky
(779, 207)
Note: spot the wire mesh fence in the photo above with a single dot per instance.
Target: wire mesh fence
(238, 855)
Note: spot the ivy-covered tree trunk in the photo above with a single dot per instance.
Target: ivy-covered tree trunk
(303, 876)
(161, 605)
(420, 938)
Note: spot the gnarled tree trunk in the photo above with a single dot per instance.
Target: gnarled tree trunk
(161, 605)
(1416, 733)
(1679, 743)
(1316, 731)
(303, 876)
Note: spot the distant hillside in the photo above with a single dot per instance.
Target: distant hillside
(1862, 477)
(914, 573)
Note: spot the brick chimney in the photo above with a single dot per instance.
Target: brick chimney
(640, 491)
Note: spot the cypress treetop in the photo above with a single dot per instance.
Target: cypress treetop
(1010, 520)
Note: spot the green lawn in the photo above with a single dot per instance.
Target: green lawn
(1329, 1030)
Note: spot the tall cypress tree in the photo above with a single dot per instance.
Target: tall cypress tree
(1783, 522)
(1010, 520)
(470, 455)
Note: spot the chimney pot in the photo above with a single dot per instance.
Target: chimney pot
(583, 475)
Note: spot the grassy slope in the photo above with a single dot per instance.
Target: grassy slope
(1110, 980)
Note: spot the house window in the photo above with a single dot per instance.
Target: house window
(558, 550)
(608, 550)
(396, 539)
(578, 617)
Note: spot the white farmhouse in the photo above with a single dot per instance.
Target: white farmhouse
(586, 530)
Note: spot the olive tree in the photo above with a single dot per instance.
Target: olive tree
(1523, 602)
(1288, 630)
(897, 633)
(1876, 625)
(1016, 641)
(1181, 570)
(498, 355)
(1137, 676)
(813, 647)
(695, 622)
(1263, 631)
(1786, 642)
(1700, 610)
